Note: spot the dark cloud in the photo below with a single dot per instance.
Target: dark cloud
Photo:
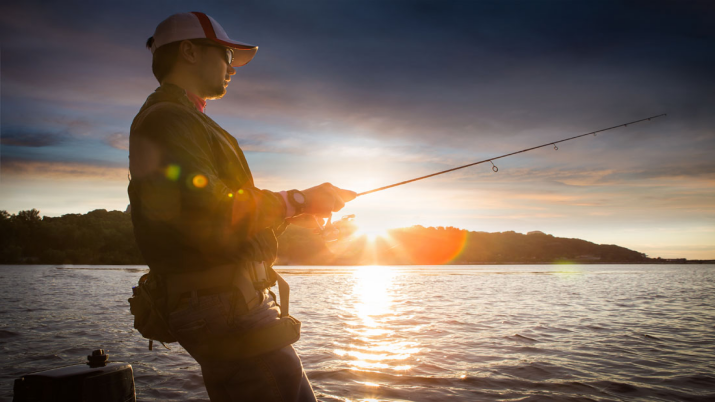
(449, 72)
(47, 131)
(28, 138)
(429, 80)
(428, 71)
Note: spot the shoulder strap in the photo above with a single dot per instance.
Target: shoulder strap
(283, 291)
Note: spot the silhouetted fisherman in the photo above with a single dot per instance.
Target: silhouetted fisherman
(206, 231)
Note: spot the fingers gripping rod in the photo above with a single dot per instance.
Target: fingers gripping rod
(494, 168)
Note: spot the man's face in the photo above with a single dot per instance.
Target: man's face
(214, 71)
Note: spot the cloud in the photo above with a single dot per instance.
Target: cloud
(521, 216)
(76, 126)
(499, 78)
(31, 138)
(61, 170)
(512, 77)
(271, 143)
(119, 141)
(95, 64)
(336, 148)
(48, 131)
(685, 170)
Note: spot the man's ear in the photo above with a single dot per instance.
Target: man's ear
(189, 52)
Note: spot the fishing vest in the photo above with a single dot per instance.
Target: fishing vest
(200, 222)
(194, 204)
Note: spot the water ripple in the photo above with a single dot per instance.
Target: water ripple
(451, 333)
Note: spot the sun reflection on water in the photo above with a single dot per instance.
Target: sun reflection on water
(376, 345)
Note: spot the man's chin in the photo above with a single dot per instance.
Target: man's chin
(217, 93)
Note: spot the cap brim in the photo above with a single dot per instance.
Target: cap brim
(242, 52)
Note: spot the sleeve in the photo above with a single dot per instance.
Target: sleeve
(290, 210)
(180, 189)
(255, 209)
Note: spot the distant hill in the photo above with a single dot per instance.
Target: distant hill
(98, 237)
(429, 245)
(106, 237)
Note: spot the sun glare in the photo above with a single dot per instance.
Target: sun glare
(372, 233)
(375, 346)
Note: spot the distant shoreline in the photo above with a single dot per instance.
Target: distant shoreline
(569, 262)
(98, 266)
(513, 263)
(577, 262)
(103, 237)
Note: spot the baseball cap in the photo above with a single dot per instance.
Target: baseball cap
(196, 25)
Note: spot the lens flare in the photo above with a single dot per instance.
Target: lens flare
(199, 181)
(431, 245)
(172, 172)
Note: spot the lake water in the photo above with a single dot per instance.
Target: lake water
(550, 332)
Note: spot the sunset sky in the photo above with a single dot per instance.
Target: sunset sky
(364, 94)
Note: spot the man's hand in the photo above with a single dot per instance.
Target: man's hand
(323, 200)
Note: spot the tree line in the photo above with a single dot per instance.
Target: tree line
(106, 237)
(98, 237)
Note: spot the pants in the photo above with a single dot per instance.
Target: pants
(274, 376)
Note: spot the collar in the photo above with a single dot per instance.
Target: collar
(173, 93)
(198, 101)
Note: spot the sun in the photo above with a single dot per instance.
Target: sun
(351, 228)
(371, 232)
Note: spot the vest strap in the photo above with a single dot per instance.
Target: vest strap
(284, 292)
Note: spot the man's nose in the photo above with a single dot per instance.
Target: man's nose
(231, 71)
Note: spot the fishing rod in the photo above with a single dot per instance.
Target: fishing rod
(494, 167)
(331, 230)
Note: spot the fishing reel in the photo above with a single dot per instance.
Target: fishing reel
(337, 230)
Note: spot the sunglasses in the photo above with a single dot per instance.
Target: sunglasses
(229, 51)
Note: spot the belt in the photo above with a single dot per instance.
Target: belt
(247, 278)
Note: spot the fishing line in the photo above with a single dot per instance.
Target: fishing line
(494, 167)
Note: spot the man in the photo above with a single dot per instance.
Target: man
(207, 233)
